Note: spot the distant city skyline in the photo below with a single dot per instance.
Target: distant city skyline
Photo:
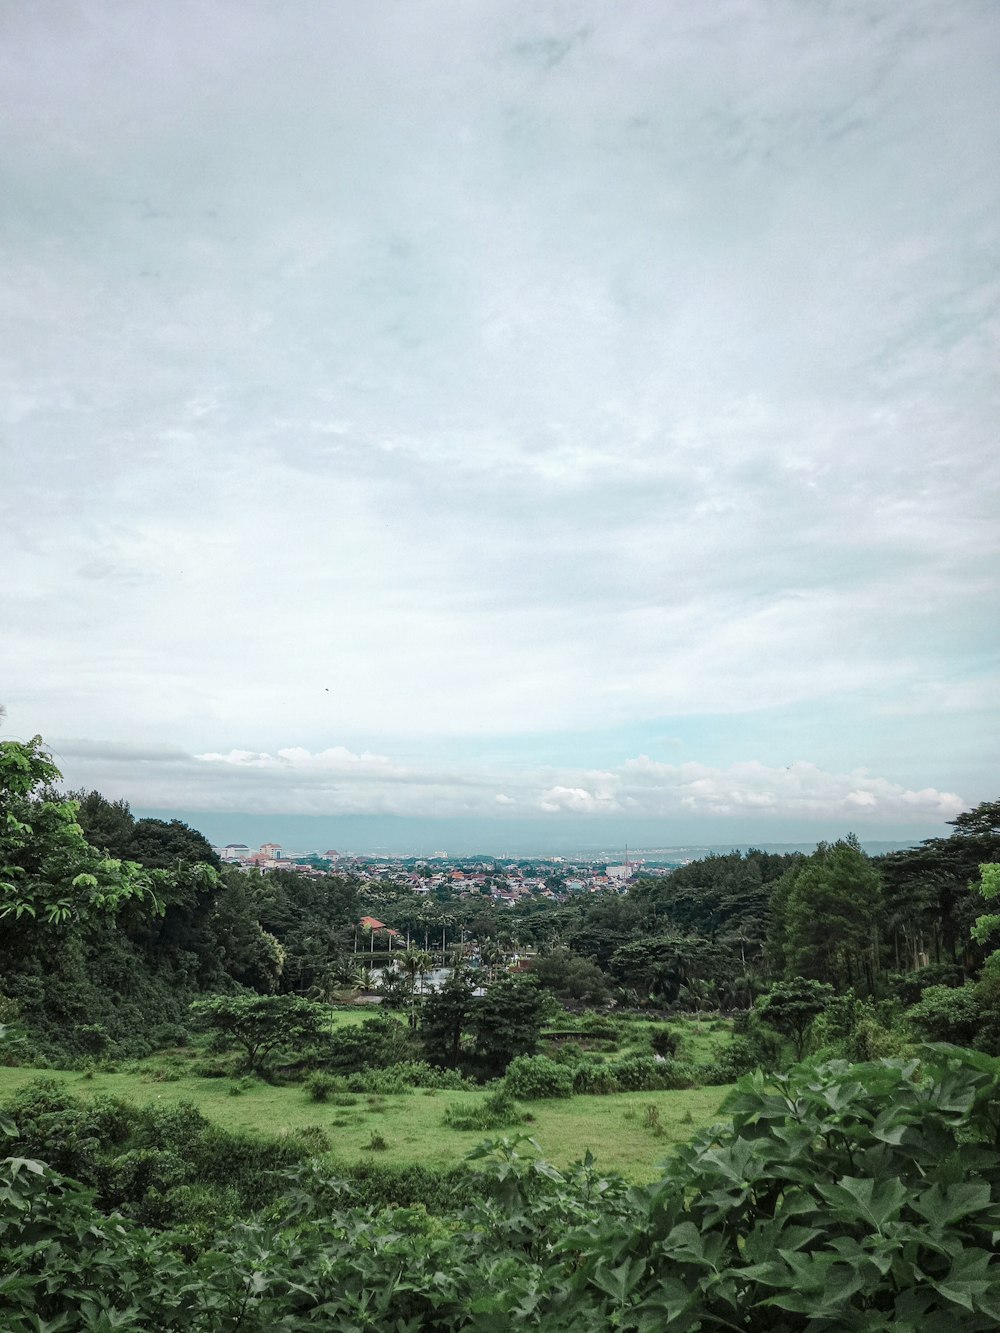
(458, 838)
(527, 417)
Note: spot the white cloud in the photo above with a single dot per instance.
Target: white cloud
(405, 372)
(337, 781)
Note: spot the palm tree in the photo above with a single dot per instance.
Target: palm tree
(416, 963)
(490, 955)
(446, 920)
(426, 917)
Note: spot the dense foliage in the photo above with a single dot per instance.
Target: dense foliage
(839, 1198)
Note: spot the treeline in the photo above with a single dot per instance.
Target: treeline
(718, 931)
(112, 926)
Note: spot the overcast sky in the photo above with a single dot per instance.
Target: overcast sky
(504, 409)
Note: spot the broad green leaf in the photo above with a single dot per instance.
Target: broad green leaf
(875, 1201)
(944, 1205)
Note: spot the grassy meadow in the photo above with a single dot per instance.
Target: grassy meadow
(627, 1132)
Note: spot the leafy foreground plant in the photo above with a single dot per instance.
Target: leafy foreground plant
(850, 1197)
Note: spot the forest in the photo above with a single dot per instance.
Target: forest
(813, 1039)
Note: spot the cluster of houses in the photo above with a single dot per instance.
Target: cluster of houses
(505, 881)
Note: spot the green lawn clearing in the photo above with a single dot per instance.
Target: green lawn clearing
(628, 1132)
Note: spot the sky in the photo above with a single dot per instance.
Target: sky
(569, 416)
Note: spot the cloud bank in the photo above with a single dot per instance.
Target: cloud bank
(504, 385)
(338, 782)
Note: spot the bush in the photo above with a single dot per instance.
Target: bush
(844, 1197)
(319, 1086)
(215, 1068)
(420, 1074)
(988, 1000)
(138, 1158)
(570, 977)
(497, 1110)
(908, 987)
(946, 1014)
(383, 1185)
(664, 1042)
(596, 1080)
(600, 1026)
(567, 1053)
(639, 1073)
(384, 1082)
(313, 1138)
(377, 1043)
(92, 1038)
(856, 1029)
(533, 1077)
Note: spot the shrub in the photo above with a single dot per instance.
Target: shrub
(377, 1043)
(567, 1053)
(753, 1046)
(163, 1072)
(384, 1082)
(844, 1197)
(988, 1000)
(600, 1026)
(855, 1029)
(908, 987)
(168, 1034)
(92, 1038)
(313, 1138)
(595, 1079)
(420, 1074)
(533, 1077)
(651, 1118)
(640, 1073)
(214, 1068)
(946, 1014)
(319, 1086)
(664, 1042)
(497, 1110)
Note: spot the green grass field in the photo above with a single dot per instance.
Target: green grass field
(629, 1132)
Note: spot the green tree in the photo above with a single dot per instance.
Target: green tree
(506, 1022)
(931, 907)
(946, 1013)
(252, 956)
(989, 887)
(416, 963)
(790, 1007)
(444, 1016)
(570, 978)
(157, 844)
(260, 1024)
(830, 913)
(160, 844)
(48, 871)
(670, 967)
(491, 956)
(107, 825)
